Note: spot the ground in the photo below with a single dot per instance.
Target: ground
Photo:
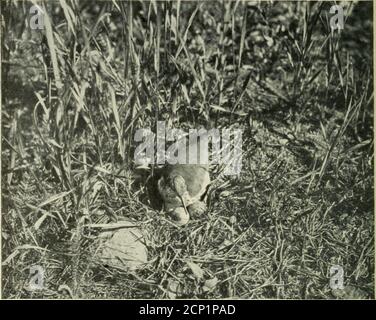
(75, 92)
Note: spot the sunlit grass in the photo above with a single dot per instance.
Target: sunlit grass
(74, 94)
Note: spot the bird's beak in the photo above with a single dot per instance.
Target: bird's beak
(180, 216)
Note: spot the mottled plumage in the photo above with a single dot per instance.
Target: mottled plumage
(182, 186)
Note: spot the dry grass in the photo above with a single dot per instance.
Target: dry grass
(74, 94)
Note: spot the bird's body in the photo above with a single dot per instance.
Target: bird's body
(182, 186)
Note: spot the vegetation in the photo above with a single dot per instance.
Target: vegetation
(74, 93)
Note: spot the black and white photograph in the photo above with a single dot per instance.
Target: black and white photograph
(197, 150)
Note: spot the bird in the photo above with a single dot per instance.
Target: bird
(182, 187)
(178, 184)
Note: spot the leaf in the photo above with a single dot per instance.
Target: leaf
(17, 251)
(196, 270)
(185, 36)
(173, 288)
(64, 287)
(69, 16)
(114, 225)
(10, 257)
(358, 146)
(52, 47)
(210, 284)
(103, 170)
(41, 220)
(115, 110)
(54, 198)
(54, 143)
